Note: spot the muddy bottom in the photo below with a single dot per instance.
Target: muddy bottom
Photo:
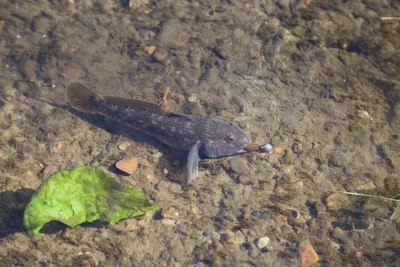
(318, 79)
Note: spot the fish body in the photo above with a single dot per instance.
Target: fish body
(203, 137)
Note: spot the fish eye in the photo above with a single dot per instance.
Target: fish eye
(231, 137)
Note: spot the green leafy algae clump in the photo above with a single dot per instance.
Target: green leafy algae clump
(81, 195)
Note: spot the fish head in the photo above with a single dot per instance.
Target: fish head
(225, 140)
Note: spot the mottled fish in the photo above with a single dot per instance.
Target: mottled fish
(203, 137)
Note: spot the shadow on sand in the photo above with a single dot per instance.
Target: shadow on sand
(12, 205)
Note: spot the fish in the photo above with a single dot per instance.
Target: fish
(201, 136)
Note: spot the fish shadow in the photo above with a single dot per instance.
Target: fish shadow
(13, 204)
(173, 159)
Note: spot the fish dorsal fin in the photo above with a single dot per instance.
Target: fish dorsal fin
(137, 105)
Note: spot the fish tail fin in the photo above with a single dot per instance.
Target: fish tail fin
(83, 98)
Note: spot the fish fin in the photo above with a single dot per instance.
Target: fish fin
(83, 98)
(193, 162)
(137, 105)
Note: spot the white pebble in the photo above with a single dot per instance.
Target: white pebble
(262, 242)
(124, 146)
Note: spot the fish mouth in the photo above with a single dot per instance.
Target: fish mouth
(250, 148)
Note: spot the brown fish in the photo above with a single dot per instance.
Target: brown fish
(203, 137)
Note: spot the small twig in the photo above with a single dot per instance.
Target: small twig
(366, 195)
(165, 95)
(164, 101)
(390, 18)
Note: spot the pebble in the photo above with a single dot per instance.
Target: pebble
(150, 49)
(194, 210)
(128, 165)
(297, 148)
(262, 242)
(59, 147)
(277, 150)
(169, 213)
(206, 234)
(336, 201)
(396, 214)
(215, 236)
(161, 56)
(48, 171)
(238, 165)
(181, 100)
(364, 115)
(124, 146)
(182, 83)
(137, 4)
(169, 222)
(231, 238)
(308, 256)
(192, 98)
(194, 107)
(365, 187)
(177, 249)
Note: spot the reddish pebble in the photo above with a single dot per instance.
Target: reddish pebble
(128, 165)
(308, 256)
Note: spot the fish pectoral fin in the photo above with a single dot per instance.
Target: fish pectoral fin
(193, 162)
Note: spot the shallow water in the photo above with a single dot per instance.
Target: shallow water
(318, 79)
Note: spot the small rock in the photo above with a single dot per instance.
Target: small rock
(364, 115)
(182, 83)
(215, 236)
(128, 165)
(59, 147)
(149, 177)
(169, 212)
(135, 4)
(156, 157)
(262, 242)
(277, 150)
(336, 201)
(365, 187)
(192, 98)
(206, 234)
(48, 171)
(396, 214)
(124, 146)
(169, 222)
(177, 250)
(194, 210)
(181, 100)
(150, 49)
(161, 55)
(231, 238)
(238, 165)
(297, 148)
(308, 256)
